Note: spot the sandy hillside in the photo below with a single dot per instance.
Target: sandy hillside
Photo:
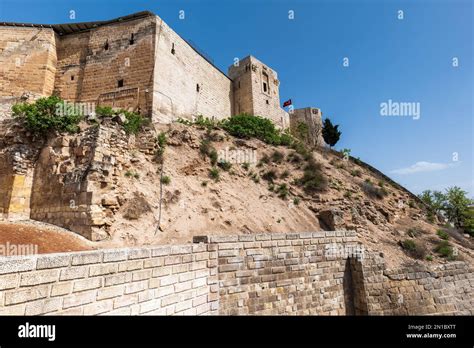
(242, 201)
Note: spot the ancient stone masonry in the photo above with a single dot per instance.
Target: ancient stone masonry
(256, 90)
(136, 62)
(446, 289)
(73, 175)
(19, 151)
(307, 121)
(298, 273)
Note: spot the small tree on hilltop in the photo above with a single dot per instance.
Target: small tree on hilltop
(331, 134)
(457, 206)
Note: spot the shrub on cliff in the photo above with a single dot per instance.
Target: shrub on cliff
(414, 249)
(48, 114)
(249, 126)
(131, 122)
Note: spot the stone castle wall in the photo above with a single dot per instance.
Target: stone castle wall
(247, 274)
(90, 65)
(27, 61)
(186, 85)
(137, 63)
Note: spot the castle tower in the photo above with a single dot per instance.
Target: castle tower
(256, 91)
(306, 123)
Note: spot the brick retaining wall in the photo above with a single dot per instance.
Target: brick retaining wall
(297, 273)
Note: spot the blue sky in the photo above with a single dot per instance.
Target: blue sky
(408, 60)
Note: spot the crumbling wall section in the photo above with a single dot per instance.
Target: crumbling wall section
(73, 176)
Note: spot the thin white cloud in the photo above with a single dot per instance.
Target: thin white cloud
(419, 167)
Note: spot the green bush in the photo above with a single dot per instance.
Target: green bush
(205, 147)
(249, 126)
(296, 201)
(246, 165)
(277, 156)
(214, 174)
(414, 249)
(313, 180)
(133, 123)
(255, 178)
(356, 172)
(48, 114)
(414, 232)
(285, 174)
(165, 180)
(213, 156)
(442, 234)
(132, 174)
(282, 191)
(270, 175)
(104, 111)
(445, 249)
(373, 191)
(161, 139)
(225, 165)
(294, 157)
(205, 122)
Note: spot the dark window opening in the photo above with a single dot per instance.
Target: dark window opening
(266, 83)
(172, 49)
(198, 87)
(132, 39)
(268, 102)
(120, 83)
(106, 46)
(72, 77)
(239, 84)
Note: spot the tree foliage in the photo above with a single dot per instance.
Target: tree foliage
(47, 115)
(331, 133)
(453, 204)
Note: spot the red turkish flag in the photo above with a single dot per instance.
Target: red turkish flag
(287, 103)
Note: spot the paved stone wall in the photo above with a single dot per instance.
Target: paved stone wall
(185, 84)
(258, 274)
